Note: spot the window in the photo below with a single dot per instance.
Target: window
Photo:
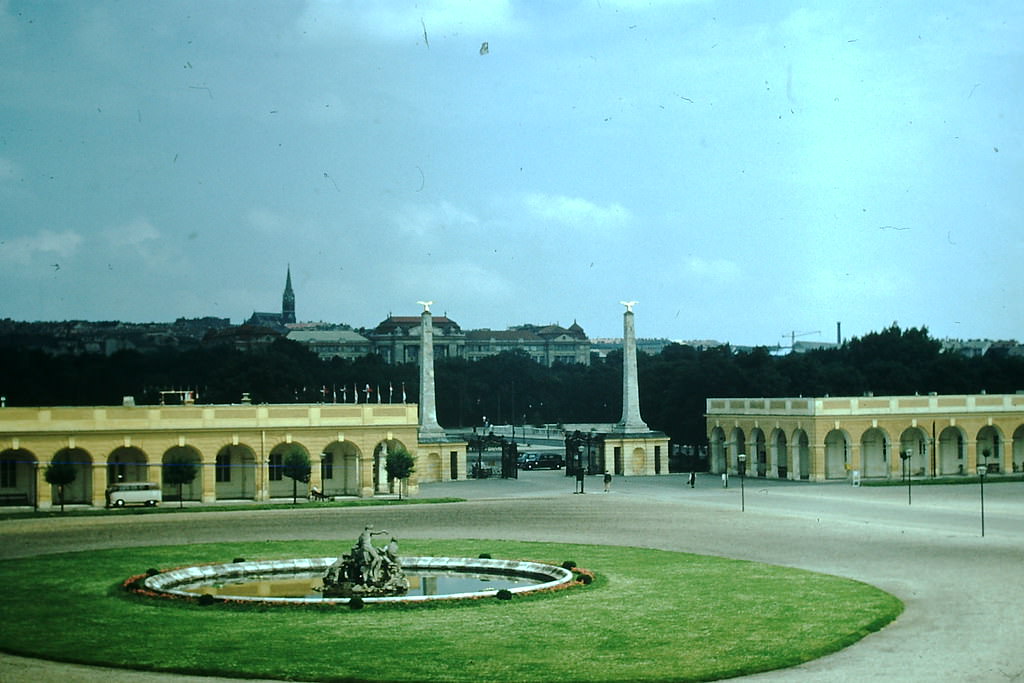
(223, 469)
(276, 467)
(8, 473)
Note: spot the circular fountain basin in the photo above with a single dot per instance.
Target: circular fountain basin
(525, 577)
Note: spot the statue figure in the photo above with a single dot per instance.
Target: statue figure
(367, 570)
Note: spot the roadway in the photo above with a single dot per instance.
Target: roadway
(963, 593)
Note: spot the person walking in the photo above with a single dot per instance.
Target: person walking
(607, 481)
(692, 479)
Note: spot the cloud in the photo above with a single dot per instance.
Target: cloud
(577, 212)
(45, 243)
(266, 221)
(133, 234)
(722, 270)
(8, 170)
(424, 221)
(400, 20)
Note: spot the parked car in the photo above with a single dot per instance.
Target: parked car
(533, 461)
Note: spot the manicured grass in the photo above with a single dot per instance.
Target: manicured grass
(172, 507)
(650, 615)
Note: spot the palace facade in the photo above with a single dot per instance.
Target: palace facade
(875, 436)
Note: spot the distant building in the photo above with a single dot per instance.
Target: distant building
(548, 345)
(335, 343)
(278, 321)
(397, 338)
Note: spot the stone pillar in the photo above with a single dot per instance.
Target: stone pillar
(99, 486)
(631, 420)
(429, 427)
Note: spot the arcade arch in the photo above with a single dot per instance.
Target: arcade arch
(190, 491)
(990, 446)
(280, 485)
(759, 455)
(79, 490)
(18, 475)
(340, 470)
(837, 454)
(381, 482)
(235, 476)
(950, 451)
(779, 454)
(127, 463)
(875, 446)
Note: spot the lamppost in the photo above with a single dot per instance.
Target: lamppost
(743, 474)
(982, 471)
(323, 475)
(905, 457)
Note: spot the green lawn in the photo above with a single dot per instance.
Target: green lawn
(650, 615)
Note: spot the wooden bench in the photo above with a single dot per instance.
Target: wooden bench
(14, 499)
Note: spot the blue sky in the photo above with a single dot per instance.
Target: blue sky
(743, 170)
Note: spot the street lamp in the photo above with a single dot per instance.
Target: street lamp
(743, 473)
(982, 471)
(905, 457)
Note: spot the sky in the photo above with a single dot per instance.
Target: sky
(747, 172)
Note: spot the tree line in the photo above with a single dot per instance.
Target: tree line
(512, 388)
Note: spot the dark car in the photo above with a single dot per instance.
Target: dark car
(533, 461)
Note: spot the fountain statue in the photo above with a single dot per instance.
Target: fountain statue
(367, 570)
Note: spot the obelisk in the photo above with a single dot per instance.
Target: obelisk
(631, 420)
(429, 428)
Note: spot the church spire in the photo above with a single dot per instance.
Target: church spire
(288, 300)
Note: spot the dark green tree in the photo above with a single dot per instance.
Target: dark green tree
(400, 464)
(60, 474)
(180, 469)
(296, 467)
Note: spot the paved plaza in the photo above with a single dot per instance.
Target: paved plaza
(963, 593)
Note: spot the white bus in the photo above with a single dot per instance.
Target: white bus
(136, 492)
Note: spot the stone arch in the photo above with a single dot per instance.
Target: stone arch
(990, 439)
(736, 444)
(639, 460)
(18, 475)
(340, 469)
(194, 489)
(914, 441)
(127, 463)
(429, 469)
(779, 450)
(1018, 449)
(717, 456)
(758, 456)
(80, 490)
(280, 485)
(875, 453)
(381, 482)
(951, 453)
(801, 446)
(235, 474)
(837, 454)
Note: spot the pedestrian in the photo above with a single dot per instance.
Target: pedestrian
(607, 481)
(692, 480)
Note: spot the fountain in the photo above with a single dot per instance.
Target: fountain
(366, 573)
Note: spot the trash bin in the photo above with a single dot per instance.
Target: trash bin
(856, 478)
